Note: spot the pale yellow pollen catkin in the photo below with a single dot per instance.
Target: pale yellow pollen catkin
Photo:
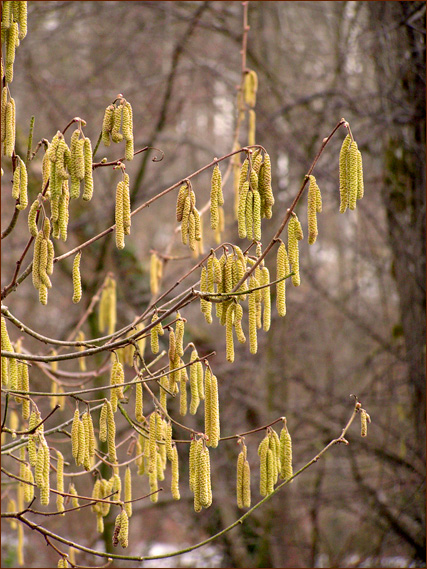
(252, 317)
(293, 252)
(128, 492)
(312, 201)
(77, 283)
(111, 438)
(175, 474)
(363, 423)
(352, 174)
(60, 481)
(344, 190)
(88, 178)
(285, 453)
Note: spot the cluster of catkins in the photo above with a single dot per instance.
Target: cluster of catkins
(13, 29)
(43, 261)
(189, 216)
(351, 174)
(218, 280)
(255, 195)
(119, 118)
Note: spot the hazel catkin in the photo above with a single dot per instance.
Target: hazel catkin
(77, 283)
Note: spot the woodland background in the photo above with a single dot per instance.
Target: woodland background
(357, 322)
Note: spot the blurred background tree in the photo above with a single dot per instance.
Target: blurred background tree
(356, 324)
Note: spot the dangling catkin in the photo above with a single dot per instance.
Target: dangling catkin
(343, 173)
(360, 186)
(214, 433)
(241, 213)
(352, 175)
(60, 481)
(107, 124)
(175, 474)
(229, 343)
(239, 477)
(285, 453)
(139, 402)
(75, 435)
(77, 283)
(124, 530)
(194, 389)
(252, 317)
(88, 179)
(363, 423)
(82, 443)
(128, 492)
(250, 87)
(111, 439)
(293, 249)
(262, 452)
(103, 423)
(10, 128)
(116, 136)
(216, 192)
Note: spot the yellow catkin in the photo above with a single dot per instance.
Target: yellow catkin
(77, 283)
(179, 335)
(128, 492)
(116, 135)
(126, 205)
(363, 423)
(155, 336)
(266, 298)
(313, 190)
(252, 317)
(352, 176)
(246, 487)
(29, 487)
(214, 434)
(251, 127)
(139, 402)
(192, 464)
(119, 216)
(194, 389)
(241, 213)
(270, 471)
(195, 484)
(154, 274)
(107, 125)
(86, 426)
(103, 423)
(204, 476)
(185, 219)
(238, 315)
(82, 443)
(75, 435)
(183, 392)
(293, 251)
(124, 530)
(36, 260)
(88, 179)
(127, 126)
(217, 198)
(182, 194)
(250, 87)
(285, 453)
(262, 452)
(175, 474)
(111, 438)
(10, 128)
(208, 402)
(205, 305)
(343, 173)
(60, 481)
(360, 185)
(239, 478)
(152, 467)
(229, 343)
(63, 213)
